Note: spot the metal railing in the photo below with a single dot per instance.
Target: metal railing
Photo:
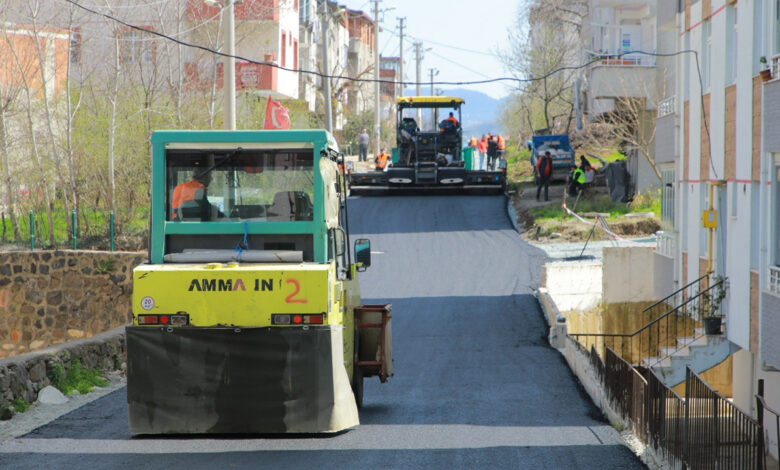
(719, 435)
(774, 62)
(667, 106)
(761, 407)
(703, 431)
(663, 323)
(774, 279)
(620, 58)
(665, 243)
(665, 419)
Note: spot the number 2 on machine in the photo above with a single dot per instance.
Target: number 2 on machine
(291, 299)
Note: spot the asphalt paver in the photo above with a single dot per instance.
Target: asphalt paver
(476, 384)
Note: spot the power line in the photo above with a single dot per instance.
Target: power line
(369, 80)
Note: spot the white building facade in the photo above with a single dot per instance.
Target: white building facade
(726, 126)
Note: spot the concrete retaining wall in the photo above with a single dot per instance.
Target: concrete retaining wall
(573, 285)
(22, 377)
(629, 275)
(49, 297)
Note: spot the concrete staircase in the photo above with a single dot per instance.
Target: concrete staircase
(700, 352)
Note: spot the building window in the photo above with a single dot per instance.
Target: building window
(136, 48)
(75, 46)
(284, 49)
(731, 44)
(706, 54)
(295, 54)
(776, 211)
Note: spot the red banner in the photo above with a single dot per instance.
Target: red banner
(276, 116)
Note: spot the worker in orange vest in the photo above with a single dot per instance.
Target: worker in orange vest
(482, 151)
(500, 149)
(451, 118)
(381, 161)
(193, 190)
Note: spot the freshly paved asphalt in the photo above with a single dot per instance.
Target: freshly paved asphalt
(475, 386)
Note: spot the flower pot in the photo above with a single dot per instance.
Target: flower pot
(712, 325)
(766, 75)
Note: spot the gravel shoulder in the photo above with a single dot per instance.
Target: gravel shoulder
(38, 414)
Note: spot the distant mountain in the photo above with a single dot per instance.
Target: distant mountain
(479, 113)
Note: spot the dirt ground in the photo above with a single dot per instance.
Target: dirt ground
(569, 229)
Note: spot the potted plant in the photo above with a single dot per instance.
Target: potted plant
(766, 72)
(710, 304)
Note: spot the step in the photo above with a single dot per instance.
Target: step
(652, 362)
(673, 350)
(701, 356)
(691, 341)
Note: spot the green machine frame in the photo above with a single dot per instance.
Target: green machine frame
(320, 140)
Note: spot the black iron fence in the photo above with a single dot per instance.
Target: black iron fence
(719, 434)
(703, 431)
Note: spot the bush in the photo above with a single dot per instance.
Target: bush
(78, 378)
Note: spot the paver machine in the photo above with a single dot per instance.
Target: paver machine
(247, 317)
(429, 153)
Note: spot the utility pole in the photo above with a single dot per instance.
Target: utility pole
(401, 59)
(418, 59)
(325, 68)
(377, 89)
(230, 66)
(435, 114)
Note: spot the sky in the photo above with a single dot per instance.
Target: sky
(452, 29)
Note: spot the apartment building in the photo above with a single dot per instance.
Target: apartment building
(23, 65)
(724, 124)
(622, 80)
(265, 30)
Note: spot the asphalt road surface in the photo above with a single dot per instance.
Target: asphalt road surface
(476, 384)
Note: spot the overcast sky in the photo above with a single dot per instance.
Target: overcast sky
(451, 28)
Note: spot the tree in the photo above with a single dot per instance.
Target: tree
(543, 57)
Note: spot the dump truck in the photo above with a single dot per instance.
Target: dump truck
(247, 316)
(429, 153)
(560, 150)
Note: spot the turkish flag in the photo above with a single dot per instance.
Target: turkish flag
(276, 116)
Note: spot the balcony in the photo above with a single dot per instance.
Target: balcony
(622, 76)
(774, 280)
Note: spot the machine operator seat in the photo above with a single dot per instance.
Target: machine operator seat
(290, 206)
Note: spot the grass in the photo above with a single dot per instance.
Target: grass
(78, 378)
(90, 224)
(649, 201)
(20, 405)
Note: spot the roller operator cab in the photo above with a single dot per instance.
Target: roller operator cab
(247, 317)
(429, 153)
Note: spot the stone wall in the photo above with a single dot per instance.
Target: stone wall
(23, 376)
(49, 297)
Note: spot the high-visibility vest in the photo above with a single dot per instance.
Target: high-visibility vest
(579, 176)
(186, 192)
(501, 143)
(381, 160)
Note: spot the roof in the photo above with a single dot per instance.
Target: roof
(430, 101)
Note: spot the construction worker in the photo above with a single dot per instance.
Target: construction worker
(543, 171)
(451, 118)
(363, 139)
(381, 161)
(193, 191)
(482, 151)
(501, 148)
(576, 181)
(492, 148)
